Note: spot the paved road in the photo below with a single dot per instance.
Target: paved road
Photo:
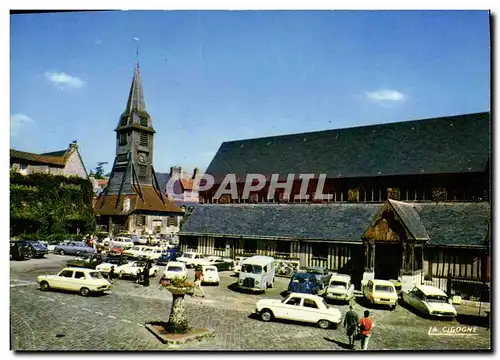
(62, 321)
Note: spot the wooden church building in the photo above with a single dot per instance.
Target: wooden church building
(133, 200)
(409, 201)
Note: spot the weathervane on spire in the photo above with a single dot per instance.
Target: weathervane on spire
(137, 50)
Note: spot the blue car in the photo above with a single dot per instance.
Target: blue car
(170, 255)
(74, 248)
(304, 283)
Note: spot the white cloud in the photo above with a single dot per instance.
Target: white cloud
(64, 79)
(17, 121)
(385, 95)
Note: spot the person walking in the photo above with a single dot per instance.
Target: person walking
(351, 321)
(112, 274)
(365, 327)
(145, 278)
(198, 278)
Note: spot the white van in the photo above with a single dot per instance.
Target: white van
(257, 273)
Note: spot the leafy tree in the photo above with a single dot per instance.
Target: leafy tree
(99, 170)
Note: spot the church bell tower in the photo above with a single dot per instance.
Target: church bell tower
(134, 143)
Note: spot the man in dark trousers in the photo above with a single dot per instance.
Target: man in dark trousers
(351, 321)
(112, 274)
(145, 278)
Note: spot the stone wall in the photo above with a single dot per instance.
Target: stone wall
(74, 166)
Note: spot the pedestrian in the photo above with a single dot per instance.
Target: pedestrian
(198, 278)
(112, 274)
(351, 321)
(145, 278)
(365, 327)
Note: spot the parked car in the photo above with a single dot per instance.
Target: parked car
(74, 248)
(85, 281)
(85, 261)
(33, 249)
(117, 261)
(133, 269)
(174, 269)
(257, 273)
(397, 286)
(122, 242)
(430, 301)
(381, 292)
(237, 264)
(210, 275)
(340, 287)
(191, 259)
(220, 263)
(322, 275)
(167, 257)
(300, 307)
(304, 283)
(152, 253)
(134, 252)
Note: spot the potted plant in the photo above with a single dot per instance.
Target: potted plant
(179, 287)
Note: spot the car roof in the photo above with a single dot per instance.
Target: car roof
(78, 269)
(175, 263)
(315, 268)
(382, 282)
(210, 266)
(430, 290)
(341, 276)
(304, 275)
(307, 296)
(258, 260)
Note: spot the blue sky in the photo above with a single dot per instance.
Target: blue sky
(215, 76)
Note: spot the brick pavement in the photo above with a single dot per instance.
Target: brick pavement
(115, 321)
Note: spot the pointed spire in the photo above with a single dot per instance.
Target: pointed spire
(136, 94)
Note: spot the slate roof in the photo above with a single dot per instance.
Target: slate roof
(454, 144)
(341, 222)
(455, 223)
(38, 158)
(410, 217)
(445, 224)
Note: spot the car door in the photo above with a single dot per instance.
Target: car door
(308, 311)
(62, 280)
(291, 308)
(413, 299)
(78, 280)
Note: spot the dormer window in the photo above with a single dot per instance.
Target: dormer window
(144, 121)
(123, 139)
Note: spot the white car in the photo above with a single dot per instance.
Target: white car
(210, 275)
(381, 292)
(153, 253)
(430, 300)
(121, 242)
(134, 268)
(237, 264)
(105, 241)
(191, 259)
(340, 288)
(85, 281)
(135, 251)
(118, 263)
(175, 269)
(300, 307)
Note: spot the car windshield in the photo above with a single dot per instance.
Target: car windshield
(437, 298)
(384, 288)
(139, 264)
(315, 271)
(174, 268)
(251, 269)
(95, 275)
(38, 245)
(300, 279)
(338, 284)
(189, 256)
(114, 261)
(136, 248)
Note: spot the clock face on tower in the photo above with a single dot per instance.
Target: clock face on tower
(142, 158)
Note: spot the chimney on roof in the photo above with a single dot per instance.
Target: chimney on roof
(196, 173)
(175, 170)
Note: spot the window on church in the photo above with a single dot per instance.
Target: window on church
(144, 139)
(144, 121)
(143, 171)
(123, 139)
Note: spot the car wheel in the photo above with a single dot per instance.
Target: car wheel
(324, 324)
(61, 252)
(393, 307)
(84, 291)
(216, 284)
(266, 315)
(44, 286)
